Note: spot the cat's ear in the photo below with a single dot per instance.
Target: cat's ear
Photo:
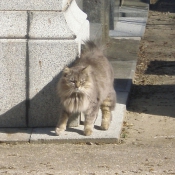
(66, 70)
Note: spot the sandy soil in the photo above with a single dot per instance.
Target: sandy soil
(151, 109)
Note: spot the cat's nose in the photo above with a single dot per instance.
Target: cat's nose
(77, 85)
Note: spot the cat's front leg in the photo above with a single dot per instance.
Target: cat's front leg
(62, 123)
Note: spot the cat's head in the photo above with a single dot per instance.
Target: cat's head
(75, 80)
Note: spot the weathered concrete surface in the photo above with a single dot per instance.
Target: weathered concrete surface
(129, 27)
(13, 83)
(15, 135)
(13, 24)
(46, 24)
(123, 48)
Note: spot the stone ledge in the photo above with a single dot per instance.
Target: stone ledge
(13, 24)
(15, 135)
(129, 27)
(49, 25)
(30, 5)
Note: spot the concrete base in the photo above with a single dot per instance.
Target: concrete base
(15, 135)
(75, 134)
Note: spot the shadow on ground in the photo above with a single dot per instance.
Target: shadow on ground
(164, 6)
(153, 99)
(161, 68)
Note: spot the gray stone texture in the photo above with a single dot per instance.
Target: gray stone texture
(30, 5)
(15, 135)
(132, 19)
(13, 83)
(44, 24)
(117, 45)
(130, 27)
(30, 66)
(136, 3)
(98, 16)
(46, 60)
(13, 24)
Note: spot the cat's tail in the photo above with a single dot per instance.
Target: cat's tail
(92, 45)
(88, 45)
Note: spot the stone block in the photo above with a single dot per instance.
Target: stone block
(49, 25)
(30, 5)
(136, 3)
(13, 83)
(47, 58)
(13, 24)
(95, 31)
(130, 27)
(133, 12)
(15, 135)
(125, 49)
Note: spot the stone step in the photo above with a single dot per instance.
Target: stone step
(136, 3)
(132, 19)
(125, 11)
(129, 27)
(123, 48)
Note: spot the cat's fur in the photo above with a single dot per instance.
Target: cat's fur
(86, 87)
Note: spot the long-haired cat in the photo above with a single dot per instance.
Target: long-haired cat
(86, 87)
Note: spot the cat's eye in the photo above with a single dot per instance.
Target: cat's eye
(82, 81)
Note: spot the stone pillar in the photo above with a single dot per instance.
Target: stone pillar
(98, 16)
(38, 38)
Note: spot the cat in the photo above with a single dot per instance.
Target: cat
(86, 87)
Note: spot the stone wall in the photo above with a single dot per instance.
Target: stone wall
(37, 39)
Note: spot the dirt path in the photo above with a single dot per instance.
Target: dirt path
(151, 109)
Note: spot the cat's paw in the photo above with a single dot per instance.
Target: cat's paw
(104, 126)
(58, 131)
(87, 132)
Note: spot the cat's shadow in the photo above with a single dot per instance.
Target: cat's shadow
(95, 126)
(81, 132)
(78, 131)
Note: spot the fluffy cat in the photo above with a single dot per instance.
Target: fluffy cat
(86, 87)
